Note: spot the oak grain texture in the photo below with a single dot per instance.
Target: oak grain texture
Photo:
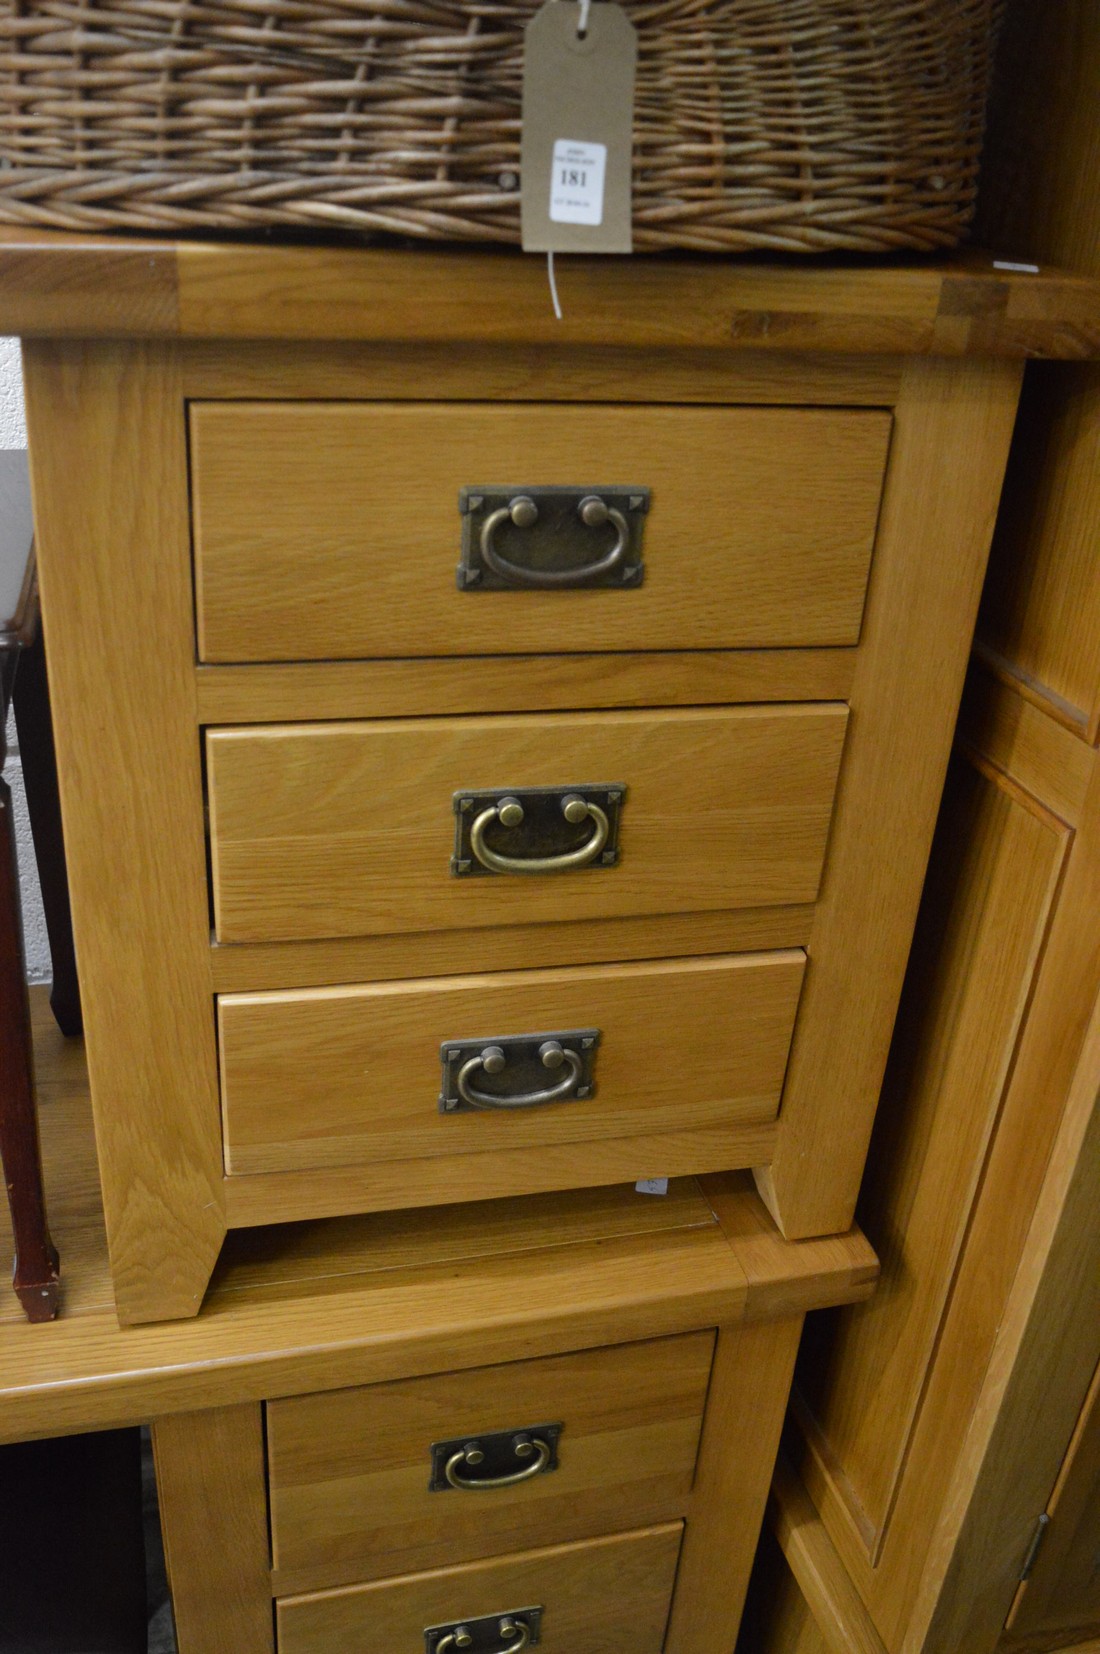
(749, 1383)
(313, 690)
(1038, 614)
(993, 881)
(593, 1595)
(775, 1268)
(376, 1186)
(759, 531)
(988, 1516)
(952, 423)
(204, 290)
(1042, 1066)
(1061, 1595)
(213, 1511)
(338, 1076)
(109, 481)
(272, 369)
(246, 966)
(838, 1611)
(1021, 739)
(347, 829)
(349, 1468)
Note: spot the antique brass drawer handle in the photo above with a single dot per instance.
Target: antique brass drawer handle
(536, 829)
(494, 1456)
(492, 1060)
(561, 536)
(524, 513)
(473, 1455)
(510, 813)
(517, 1063)
(494, 1634)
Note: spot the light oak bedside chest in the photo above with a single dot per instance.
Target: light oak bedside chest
(597, 859)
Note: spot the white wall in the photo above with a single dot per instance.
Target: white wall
(13, 434)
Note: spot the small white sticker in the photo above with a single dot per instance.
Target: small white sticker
(652, 1186)
(576, 182)
(1021, 269)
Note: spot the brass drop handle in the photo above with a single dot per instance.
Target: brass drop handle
(522, 512)
(460, 1637)
(509, 813)
(492, 1060)
(523, 1448)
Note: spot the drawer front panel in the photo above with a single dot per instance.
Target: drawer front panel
(348, 829)
(332, 530)
(604, 1596)
(338, 1076)
(350, 1469)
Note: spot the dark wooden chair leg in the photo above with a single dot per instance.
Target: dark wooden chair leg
(31, 700)
(36, 1264)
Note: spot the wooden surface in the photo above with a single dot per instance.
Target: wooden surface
(997, 1491)
(1061, 1595)
(347, 829)
(992, 883)
(834, 1604)
(108, 475)
(349, 1468)
(745, 1406)
(952, 422)
(213, 1462)
(759, 531)
(247, 966)
(494, 683)
(329, 1077)
(54, 283)
(595, 1596)
(492, 1174)
(989, 1045)
(1038, 613)
(325, 1305)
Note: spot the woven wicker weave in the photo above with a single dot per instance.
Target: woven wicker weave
(797, 125)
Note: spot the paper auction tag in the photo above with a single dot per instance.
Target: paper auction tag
(578, 128)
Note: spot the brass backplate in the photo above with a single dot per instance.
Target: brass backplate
(544, 831)
(484, 1634)
(560, 542)
(498, 1450)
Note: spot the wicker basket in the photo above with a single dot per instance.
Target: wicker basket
(795, 125)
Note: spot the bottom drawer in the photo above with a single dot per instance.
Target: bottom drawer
(605, 1596)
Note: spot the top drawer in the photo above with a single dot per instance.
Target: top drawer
(326, 530)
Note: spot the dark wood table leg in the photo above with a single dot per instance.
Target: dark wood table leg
(31, 700)
(36, 1264)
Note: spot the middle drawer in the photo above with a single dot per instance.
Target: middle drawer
(356, 1076)
(348, 829)
(359, 1484)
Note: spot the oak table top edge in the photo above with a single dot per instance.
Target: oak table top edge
(65, 284)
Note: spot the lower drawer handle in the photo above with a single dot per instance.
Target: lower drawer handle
(509, 813)
(524, 1448)
(523, 512)
(492, 1060)
(460, 1637)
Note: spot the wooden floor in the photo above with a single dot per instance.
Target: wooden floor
(316, 1305)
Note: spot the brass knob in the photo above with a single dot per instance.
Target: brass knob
(551, 1054)
(594, 513)
(523, 511)
(574, 808)
(510, 812)
(492, 1059)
